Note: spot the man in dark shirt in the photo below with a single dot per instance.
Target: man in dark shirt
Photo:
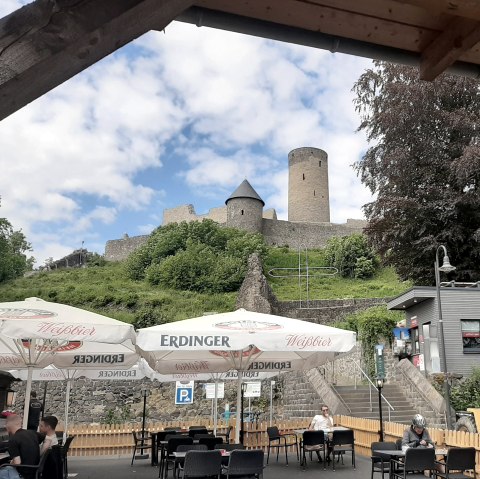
(23, 448)
(34, 412)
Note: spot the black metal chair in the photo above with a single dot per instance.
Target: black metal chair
(278, 440)
(381, 464)
(53, 468)
(179, 462)
(142, 441)
(210, 442)
(202, 464)
(229, 446)
(193, 430)
(416, 462)
(168, 457)
(313, 441)
(65, 449)
(226, 434)
(245, 464)
(459, 459)
(398, 444)
(342, 442)
(31, 472)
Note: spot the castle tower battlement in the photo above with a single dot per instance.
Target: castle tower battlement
(308, 195)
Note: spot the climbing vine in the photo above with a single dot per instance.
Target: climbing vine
(373, 326)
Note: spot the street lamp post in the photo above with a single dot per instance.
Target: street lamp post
(446, 267)
(380, 412)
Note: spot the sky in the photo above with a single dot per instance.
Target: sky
(176, 117)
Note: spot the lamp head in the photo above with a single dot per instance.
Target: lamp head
(446, 266)
(380, 382)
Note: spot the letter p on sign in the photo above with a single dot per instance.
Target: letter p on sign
(184, 393)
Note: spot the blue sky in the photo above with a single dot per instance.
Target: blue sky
(177, 117)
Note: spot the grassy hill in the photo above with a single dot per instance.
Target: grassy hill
(106, 289)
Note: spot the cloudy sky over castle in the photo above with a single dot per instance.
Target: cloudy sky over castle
(180, 116)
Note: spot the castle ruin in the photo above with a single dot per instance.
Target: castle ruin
(308, 222)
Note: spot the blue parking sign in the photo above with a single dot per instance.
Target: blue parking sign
(184, 392)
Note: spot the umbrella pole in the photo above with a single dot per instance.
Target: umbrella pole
(215, 408)
(28, 390)
(238, 420)
(45, 386)
(67, 403)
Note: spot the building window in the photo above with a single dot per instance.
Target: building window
(242, 212)
(303, 174)
(471, 335)
(320, 164)
(313, 192)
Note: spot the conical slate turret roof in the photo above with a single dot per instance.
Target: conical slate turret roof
(245, 190)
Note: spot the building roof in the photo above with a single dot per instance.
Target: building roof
(245, 190)
(418, 294)
(435, 35)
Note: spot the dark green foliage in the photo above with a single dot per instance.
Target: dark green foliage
(467, 393)
(13, 246)
(423, 169)
(148, 316)
(198, 256)
(352, 256)
(373, 326)
(95, 259)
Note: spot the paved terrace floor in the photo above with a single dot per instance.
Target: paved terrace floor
(119, 468)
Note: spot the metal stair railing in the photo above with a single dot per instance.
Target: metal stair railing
(365, 375)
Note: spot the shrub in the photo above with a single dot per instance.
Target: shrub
(350, 254)
(148, 316)
(467, 393)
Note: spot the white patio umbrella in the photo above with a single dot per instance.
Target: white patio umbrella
(36, 333)
(240, 340)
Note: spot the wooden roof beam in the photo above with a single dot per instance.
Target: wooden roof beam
(460, 8)
(47, 42)
(461, 35)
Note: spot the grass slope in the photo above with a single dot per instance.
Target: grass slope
(108, 291)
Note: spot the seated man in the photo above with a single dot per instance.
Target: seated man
(22, 448)
(416, 435)
(321, 422)
(47, 427)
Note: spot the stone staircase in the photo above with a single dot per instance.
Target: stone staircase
(358, 401)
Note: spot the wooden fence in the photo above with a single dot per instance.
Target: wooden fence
(117, 439)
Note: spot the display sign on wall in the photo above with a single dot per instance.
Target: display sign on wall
(184, 392)
(210, 390)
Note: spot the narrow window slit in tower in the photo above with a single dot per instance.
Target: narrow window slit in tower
(303, 175)
(313, 192)
(242, 212)
(320, 164)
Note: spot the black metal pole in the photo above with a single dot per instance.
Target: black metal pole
(241, 415)
(143, 420)
(380, 412)
(44, 396)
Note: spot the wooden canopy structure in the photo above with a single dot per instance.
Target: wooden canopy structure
(48, 41)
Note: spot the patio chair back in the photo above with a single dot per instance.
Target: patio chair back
(197, 430)
(398, 443)
(419, 459)
(342, 438)
(176, 441)
(202, 464)
(210, 442)
(201, 435)
(461, 458)
(385, 446)
(192, 447)
(229, 447)
(246, 463)
(313, 438)
(273, 432)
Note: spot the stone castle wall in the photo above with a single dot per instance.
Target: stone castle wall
(276, 233)
(187, 213)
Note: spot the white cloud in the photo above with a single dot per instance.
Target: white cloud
(231, 106)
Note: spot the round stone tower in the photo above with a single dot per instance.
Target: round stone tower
(308, 197)
(245, 209)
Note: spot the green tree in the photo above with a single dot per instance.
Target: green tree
(422, 167)
(199, 256)
(13, 246)
(351, 255)
(373, 326)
